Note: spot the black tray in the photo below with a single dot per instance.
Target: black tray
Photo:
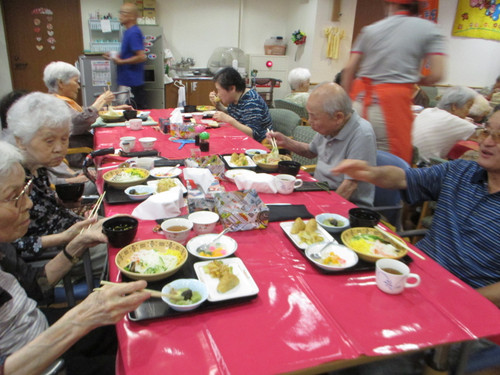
(164, 162)
(285, 212)
(312, 186)
(118, 196)
(155, 308)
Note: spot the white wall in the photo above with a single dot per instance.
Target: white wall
(194, 28)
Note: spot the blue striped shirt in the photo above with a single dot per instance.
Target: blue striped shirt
(251, 110)
(464, 236)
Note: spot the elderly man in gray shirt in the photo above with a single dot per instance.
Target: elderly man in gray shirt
(342, 134)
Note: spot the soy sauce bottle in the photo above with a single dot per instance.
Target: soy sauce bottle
(204, 141)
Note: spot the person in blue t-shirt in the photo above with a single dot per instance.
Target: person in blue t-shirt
(465, 230)
(246, 110)
(130, 62)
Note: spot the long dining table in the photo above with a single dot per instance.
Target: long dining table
(302, 320)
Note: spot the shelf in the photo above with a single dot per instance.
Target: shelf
(104, 47)
(95, 25)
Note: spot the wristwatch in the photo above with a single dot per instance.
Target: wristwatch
(70, 257)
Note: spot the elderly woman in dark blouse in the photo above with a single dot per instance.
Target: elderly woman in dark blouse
(241, 107)
(39, 125)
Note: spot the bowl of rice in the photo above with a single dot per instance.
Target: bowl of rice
(371, 245)
(151, 260)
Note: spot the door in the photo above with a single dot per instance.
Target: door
(199, 91)
(367, 12)
(37, 33)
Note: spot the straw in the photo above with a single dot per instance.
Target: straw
(399, 241)
(154, 293)
(95, 209)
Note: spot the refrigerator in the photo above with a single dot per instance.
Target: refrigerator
(96, 72)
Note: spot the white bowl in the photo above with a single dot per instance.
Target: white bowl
(194, 285)
(349, 257)
(176, 235)
(147, 143)
(143, 190)
(320, 219)
(227, 243)
(255, 151)
(203, 221)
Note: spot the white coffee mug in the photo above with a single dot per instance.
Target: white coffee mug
(127, 143)
(392, 276)
(285, 183)
(134, 124)
(113, 54)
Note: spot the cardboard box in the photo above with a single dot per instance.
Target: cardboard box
(242, 210)
(149, 4)
(146, 13)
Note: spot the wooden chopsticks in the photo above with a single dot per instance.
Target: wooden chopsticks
(273, 141)
(154, 293)
(398, 240)
(95, 209)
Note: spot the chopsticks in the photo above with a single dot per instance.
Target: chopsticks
(154, 293)
(95, 209)
(273, 141)
(398, 240)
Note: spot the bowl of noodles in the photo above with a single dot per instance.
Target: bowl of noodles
(269, 162)
(122, 178)
(151, 260)
(112, 116)
(371, 245)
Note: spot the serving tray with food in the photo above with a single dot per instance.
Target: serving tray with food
(240, 160)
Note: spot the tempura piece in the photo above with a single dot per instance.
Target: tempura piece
(227, 282)
(298, 226)
(311, 226)
(234, 157)
(165, 184)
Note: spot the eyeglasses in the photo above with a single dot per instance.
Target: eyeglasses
(482, 134)
(25, 192)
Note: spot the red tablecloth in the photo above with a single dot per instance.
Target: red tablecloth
(301, 317)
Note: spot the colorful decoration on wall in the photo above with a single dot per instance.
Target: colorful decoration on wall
(299, 37)
(44, 29)
(477, 19)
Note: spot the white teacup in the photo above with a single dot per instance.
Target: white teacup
(127, 143)
(113, 54)
(147, 143)
(285, 183)
(177, 229)
(392, 276)
(146, 163)
(134, 124)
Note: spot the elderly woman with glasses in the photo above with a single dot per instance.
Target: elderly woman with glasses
(27, 344)
(436, 130)
(39, 125)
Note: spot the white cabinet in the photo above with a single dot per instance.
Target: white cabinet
(104, 42)
(271, 66)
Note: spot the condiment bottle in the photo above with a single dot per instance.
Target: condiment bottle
(204, 142)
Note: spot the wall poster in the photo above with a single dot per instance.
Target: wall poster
(477, 19)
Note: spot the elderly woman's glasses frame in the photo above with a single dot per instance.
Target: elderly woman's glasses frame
(482, 134)
(25, 192)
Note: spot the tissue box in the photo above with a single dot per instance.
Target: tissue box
(242, 210)
(214, 163)
(198, 201)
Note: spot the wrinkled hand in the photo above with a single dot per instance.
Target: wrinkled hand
(357, 169)
(280, 138)
(109, 305)
(90, 236)
(107, 97)
(77, 179)
(222, 117)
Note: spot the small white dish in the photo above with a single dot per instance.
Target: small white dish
(255, 151)
(165, 172)
(193, 284)
(203, 221)
(250, 162)
(228, 245)
(342, 222)
(147, 143)
(317, 255)
(139, 192)
(232, 173)
(287, 227)
(246, 287)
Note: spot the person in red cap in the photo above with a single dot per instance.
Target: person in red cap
(385, 63)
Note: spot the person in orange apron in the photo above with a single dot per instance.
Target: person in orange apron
(385, 63)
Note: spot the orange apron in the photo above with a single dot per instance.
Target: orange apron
(395, 102)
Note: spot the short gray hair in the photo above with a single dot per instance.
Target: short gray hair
(335, 103)
(11, 156)
(34, 111)
(58, 71)
(298, 76)
(457, 95)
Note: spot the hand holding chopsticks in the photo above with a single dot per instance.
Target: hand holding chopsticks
(95, 209)
(154, 293)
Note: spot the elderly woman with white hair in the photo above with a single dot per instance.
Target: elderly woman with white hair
(27, 344)
(299, 80)
(436, 130)
(39, 125)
